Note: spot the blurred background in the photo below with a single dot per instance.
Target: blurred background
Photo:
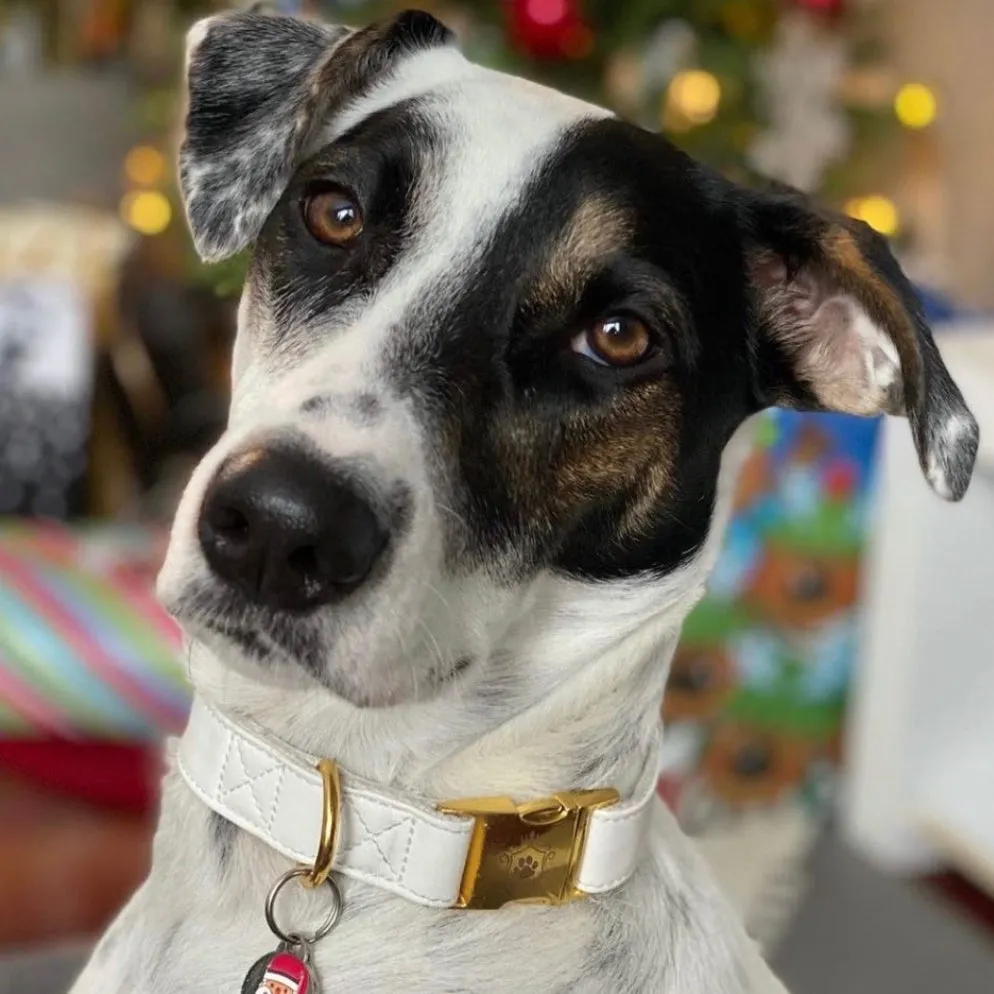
(830, 707)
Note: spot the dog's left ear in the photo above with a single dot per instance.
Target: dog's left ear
(837, 326)
(259, 86)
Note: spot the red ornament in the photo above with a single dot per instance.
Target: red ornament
(549, 29)
(839, 479)
(830, 7)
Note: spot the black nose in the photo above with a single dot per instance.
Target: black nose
(287, 531)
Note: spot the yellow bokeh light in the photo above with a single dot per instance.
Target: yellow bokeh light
(145, 166)
(915, 105)
(694, 96)
(147, 211)
(878, 211)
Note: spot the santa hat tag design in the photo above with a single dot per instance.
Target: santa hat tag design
(279, 973)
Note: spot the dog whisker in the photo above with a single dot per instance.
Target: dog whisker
(434, 647)
(453, 513)
(432, 589)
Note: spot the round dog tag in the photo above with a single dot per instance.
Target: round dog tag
(280, 972)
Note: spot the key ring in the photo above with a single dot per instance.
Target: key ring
(296, 938)
(292, 960)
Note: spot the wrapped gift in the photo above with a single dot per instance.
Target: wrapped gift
(756, 699)
(763, 666)
(757, 689)
(85, 649)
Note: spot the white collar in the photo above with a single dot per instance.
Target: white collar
(549, 852)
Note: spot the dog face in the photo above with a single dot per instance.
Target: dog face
(489, 333)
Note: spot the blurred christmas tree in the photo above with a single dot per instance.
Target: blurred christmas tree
(755, 88)
(792, 90)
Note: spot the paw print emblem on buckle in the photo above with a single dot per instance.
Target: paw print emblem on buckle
(526, 861)
(526, 853)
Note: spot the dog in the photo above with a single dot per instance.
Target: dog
(497, 356)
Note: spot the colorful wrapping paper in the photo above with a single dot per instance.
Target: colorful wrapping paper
(757, 693)
(758, 686)
(85, 650)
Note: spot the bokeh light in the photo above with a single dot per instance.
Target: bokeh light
(547, 12)
(915, 105)
(145, 166)
(147, 211)
(878, 211)
(694, 95)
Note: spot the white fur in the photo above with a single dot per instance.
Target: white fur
(956, 428)
(565, 673)
(596, 661)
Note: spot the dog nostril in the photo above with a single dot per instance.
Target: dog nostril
(304, 561)
(230, 523)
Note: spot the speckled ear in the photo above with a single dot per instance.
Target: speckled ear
(840, 328)
(251, 101)
(258, 85)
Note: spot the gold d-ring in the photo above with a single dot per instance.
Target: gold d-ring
(331, 818)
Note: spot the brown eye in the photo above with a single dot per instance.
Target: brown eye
(615, 341)
(333, 217)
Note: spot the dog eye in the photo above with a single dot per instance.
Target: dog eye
(333, 217)
(621, 340)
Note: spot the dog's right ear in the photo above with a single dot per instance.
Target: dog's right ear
(839, 327)
(258, 86)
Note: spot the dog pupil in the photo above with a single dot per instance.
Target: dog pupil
(620, 340)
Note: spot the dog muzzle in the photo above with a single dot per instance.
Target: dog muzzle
(481, 853)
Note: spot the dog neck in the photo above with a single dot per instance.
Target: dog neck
(562, 704)
(567, 699)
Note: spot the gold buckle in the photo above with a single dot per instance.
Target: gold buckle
(526, 853)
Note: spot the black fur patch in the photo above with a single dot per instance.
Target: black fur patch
(559, 462)
(378, 162)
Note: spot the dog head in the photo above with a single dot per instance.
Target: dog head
(489, 334)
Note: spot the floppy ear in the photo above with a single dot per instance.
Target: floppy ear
(259, 86)
(838, 327)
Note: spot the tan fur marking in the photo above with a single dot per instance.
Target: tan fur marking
(624, 449)
(597, 228)
(881, 303)
(627, 448)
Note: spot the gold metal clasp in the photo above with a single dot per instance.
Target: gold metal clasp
(526, 853)
(331, 818)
